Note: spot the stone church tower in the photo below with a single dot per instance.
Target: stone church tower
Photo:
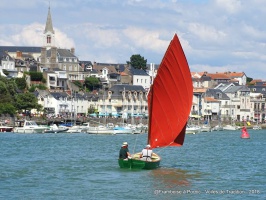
(49, 50)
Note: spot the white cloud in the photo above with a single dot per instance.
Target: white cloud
(206, 33)
(231, 6)
(144, 39)
(219, 34)
(100, 36)
(32, 35)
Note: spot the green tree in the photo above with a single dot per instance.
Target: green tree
(3, 88)
(91, 109)
(12, 87)
(26, 101)
(36, 76)
(39, 86)
(79, 84)
(21, 83)
(138, 62)
(7, 108)
(92, 83)
(249, 80)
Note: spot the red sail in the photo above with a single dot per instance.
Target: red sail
(170, 99)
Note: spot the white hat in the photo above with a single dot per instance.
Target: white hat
(124, 144)
(148, 146)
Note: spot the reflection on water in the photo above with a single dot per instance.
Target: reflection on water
(172, 178)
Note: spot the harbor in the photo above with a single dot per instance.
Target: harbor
(216, 165)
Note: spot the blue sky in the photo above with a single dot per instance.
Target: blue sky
(216, 35)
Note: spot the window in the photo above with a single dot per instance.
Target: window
(51, 78)
(48, 39)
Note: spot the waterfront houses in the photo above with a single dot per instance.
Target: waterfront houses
(221, 95)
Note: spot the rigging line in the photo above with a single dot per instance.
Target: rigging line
(164, 147)
(135, 144)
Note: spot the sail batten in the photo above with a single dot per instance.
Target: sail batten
(170, 99)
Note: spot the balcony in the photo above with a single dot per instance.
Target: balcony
(236, 100)
(244, 110)
(227, 106)
(64, 110)
(259, 110)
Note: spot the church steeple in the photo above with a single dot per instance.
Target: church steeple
(49, 24)
(49, 34)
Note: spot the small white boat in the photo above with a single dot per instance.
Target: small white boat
(76, 129)
(217, 128)
(100, 130)
(123, 130)
(206, 128)
(192, 129)
(29, 127)
(55, 129)
(231, 127)
(5, 128)
(256, 127)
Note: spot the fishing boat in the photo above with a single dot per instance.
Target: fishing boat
(169, 105)
(28, 127)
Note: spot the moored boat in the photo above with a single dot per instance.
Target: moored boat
(206, 128)
(256, 127)
(192, 129)
(5, 128)
(55, 129)
(217, 128)
(122, 130)
(100, 130)
(231, 127)
(29, 127)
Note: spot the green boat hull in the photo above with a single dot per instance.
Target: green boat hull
(136, 163)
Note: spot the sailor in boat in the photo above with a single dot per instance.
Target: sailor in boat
(124, 152)
(146, 153)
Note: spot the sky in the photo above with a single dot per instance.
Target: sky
(216, 35)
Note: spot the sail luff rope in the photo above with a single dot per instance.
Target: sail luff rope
(165, 147)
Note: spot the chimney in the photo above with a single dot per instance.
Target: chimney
(72, 50)
(19, 54)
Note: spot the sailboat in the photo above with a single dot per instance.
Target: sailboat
(169, 105)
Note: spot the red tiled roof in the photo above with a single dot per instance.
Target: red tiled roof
(218, 76)
(210, 99)
(199, 90)
(255, 81)
(123, 74)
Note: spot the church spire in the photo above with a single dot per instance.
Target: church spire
(49, 24)
(49, 34)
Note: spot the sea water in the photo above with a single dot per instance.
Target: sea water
(210, 165)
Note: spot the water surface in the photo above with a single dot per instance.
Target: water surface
(216, 165)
